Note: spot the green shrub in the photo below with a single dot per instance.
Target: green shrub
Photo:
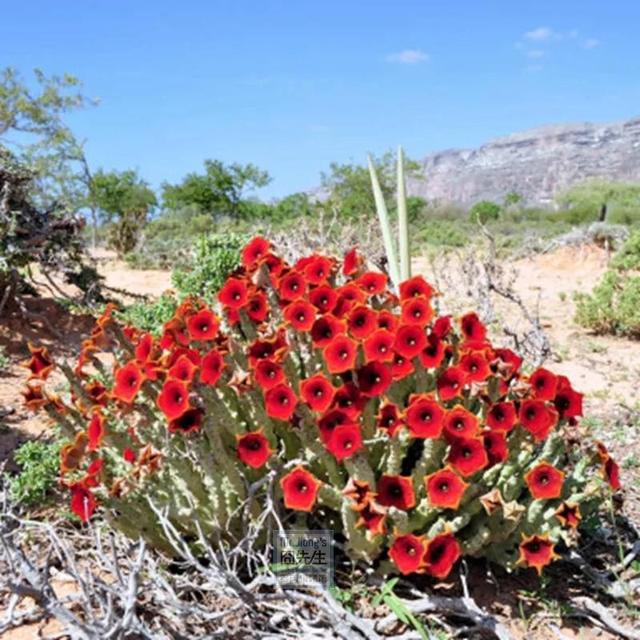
(215, 257)
(150, 316)
(39, 462)
(484, 211)
(443, 233)
(4, 359)
(614, 305)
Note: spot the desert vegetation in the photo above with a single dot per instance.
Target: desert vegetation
(414, 377)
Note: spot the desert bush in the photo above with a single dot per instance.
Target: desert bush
(38, 476)
(215, 256)
(484, 211)
(315, 396)
(443, 233)
(614, 304)
(150, 316)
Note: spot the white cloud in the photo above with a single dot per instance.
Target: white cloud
(535, 54)
(408, 56)
(591, 43)
(540, 34)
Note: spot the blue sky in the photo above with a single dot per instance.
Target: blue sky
(292, 86)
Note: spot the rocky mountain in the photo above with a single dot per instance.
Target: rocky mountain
(537, 163)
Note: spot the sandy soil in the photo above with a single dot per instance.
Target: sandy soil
(606, 369)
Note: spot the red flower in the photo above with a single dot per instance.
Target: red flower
(451, 382)
(317, 392)
(280, 402)
(387, 320)
(95, 431)
(345, 441)
(323, 298)
(187, 422)
(257, 307)
(129, 455)
(441, 554)
(325, 329)
(472, 328)
(173, 399)
(495, 443)
(300, 315)
(475, 366)
(183, 369)
(372, 517)
(379, 346)
(97, 392)
(40, 363)
(536, 552)
(352, 262)
(361, 322)
(502, 416)
(268, 374)
(433, 354)
(34, 398)
(203, 325)
(234, 293)
(348, 399)
(144, 348)
(253, 448)
(373, 379)
(543, 384)
(445, 489)
(567, 401)
(441, 327)
(414, 287)
(300, 489)
(273, 348)
(318, 269)
(568, 513)
(544, 481)
(372, 282)
(406, 552)
(611, 473)
(410, 340)
(330, 421)
(83, 503)
(128, 380)
(424, 416)
(460, 423)
(416, 311)
(537, 418)
(211, 368)
(340, 354)
(254, 251)
(511, 362)
(468, 456)
(389, 419)
(292, 286)
(396, 491)
(401, 367)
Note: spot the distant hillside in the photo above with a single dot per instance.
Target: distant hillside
(537, 163)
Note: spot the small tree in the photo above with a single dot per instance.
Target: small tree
(484, 211)
(125, 201)
(593, 199)
(220, 191)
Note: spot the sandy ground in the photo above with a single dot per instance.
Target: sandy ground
(606, 369)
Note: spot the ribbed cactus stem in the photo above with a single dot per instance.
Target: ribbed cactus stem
(396, 450)
(385, 227)
(429, 461)
(358, 468)
(331, 497)
(357, 541)
(403, 223)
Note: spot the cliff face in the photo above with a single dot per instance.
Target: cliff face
(537, 163)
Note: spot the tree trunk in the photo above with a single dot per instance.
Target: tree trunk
(603, 212)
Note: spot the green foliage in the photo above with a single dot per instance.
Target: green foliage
(404, 615)
(39, 462)
(150, 316)
(442, 233)
(291, 208)
(348, 187)
(594, 199)
(125, 201)
(614, 305)
(219, 192)
(484, 211)
(215, 257)
(4, 360)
